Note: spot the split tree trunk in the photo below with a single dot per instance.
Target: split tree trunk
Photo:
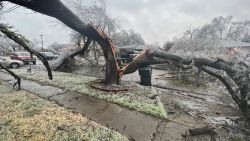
(56, 9)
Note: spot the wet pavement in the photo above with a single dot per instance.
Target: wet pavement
(132, 124)
(135, 125)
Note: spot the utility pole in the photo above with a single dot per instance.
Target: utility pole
(42, 41)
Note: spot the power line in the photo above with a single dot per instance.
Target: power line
(11, 9)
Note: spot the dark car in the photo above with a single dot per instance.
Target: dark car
(25, 57)
(128, 56)
(49, 55)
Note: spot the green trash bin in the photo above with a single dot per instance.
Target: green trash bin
(145, 74)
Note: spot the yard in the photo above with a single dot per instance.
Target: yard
(26, 117)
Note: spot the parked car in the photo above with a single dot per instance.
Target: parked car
(25, 57)
(49, 55)
(128, 56)
(14, 64)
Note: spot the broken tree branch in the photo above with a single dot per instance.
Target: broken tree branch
(23, 42)
(202, 131)
(59, 11)
(224, 81)
(241, 79)
(64, 63)
(18, 82)
(82, 51)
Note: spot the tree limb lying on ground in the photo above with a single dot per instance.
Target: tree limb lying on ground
(63, 64)
(240, 77)
(202, 131)
(23, 42)
(14, 75)
(58, 10)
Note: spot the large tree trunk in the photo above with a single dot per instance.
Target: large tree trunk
(56, 9)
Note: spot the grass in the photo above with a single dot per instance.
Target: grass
(237, 139)
(135, 99)
(4, 89)
(26, 117)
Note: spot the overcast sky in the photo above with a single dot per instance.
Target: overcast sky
(156, 20)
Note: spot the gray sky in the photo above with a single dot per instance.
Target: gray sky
(156, 20)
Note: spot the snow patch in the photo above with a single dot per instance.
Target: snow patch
(219, 120)
(193, 106)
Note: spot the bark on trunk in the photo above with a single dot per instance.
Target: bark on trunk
(56, 9)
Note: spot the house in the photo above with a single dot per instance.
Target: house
(235, 46)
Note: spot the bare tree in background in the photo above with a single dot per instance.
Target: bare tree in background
(207, 40)
(168, 45)
(240, 76)
(126, 38)
(96, 14)
(224, 28)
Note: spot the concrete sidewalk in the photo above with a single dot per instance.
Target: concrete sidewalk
(134, 125)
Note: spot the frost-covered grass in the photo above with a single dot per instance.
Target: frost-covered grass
(135, 99)
(26, 117)
(4, 89)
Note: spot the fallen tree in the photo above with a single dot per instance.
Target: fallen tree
(239, 73)
(58, 10)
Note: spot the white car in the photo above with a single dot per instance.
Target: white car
(14, 64)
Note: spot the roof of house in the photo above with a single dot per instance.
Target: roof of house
(138, 47)
(232, 44)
